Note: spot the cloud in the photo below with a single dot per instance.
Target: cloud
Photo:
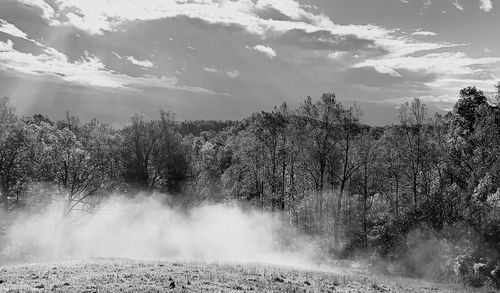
(233, 73)
(210, 69)
(450, 71)
(142, 63)
(266, 50)
(101, 16)
(6, 46)
(89, 70)
(47, 12)
(424, 33)
(339, 55)
(439, 63)
(485, 5)
(451, 84)
(458, 5)
(386, 70)
(11, 29)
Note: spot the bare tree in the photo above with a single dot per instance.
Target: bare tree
(412, 117)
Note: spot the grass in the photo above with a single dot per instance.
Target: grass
(119, 275)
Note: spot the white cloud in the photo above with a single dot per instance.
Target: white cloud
(452, 71)
(485, 5)
(458, 5)
(6, 46)
(387, 70)
(452, 84)
(89, 70)
(293, 9)
(266, 50)
(116, 55)
(233, 73)
(142, 63)
(98, 16)
(11, 29)
(404, 46)
(340, 55)
(210, 69)
(446, 90)
(438, 63)
(424, 33)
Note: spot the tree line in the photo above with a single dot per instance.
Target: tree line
(422, 194)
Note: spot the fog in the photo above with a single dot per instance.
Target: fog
(147, 227)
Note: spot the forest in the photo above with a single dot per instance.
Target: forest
(419, 198)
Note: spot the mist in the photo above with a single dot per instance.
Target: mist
(148, 227)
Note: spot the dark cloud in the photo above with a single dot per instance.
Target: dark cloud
(269, 12)
(22, 45)
(25, 17)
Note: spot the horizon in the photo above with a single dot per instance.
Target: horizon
(57, 117)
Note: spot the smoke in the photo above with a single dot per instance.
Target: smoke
(145, 227)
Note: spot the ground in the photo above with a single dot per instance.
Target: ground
(118, 275)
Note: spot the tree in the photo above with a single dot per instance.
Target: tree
(319, 126)
(391, 161)
(244, 179)
(369, 179)
(12, 146)
(153, 154)
(474, 148)
(140, 139)
(80, 168)
(270, 131)
(169, 164)
(413, 117)
(348, 131)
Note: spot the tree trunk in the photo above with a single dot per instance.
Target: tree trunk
(4, 199)
(338, 215)
(365, 232)
(365, 198)
(415, 188)
(397, 195)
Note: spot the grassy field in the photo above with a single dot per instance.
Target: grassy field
(118, 275)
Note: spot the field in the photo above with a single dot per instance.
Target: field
(118, 275)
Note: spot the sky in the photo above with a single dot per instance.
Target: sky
(225, 59)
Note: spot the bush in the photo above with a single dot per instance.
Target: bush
(477, 272)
